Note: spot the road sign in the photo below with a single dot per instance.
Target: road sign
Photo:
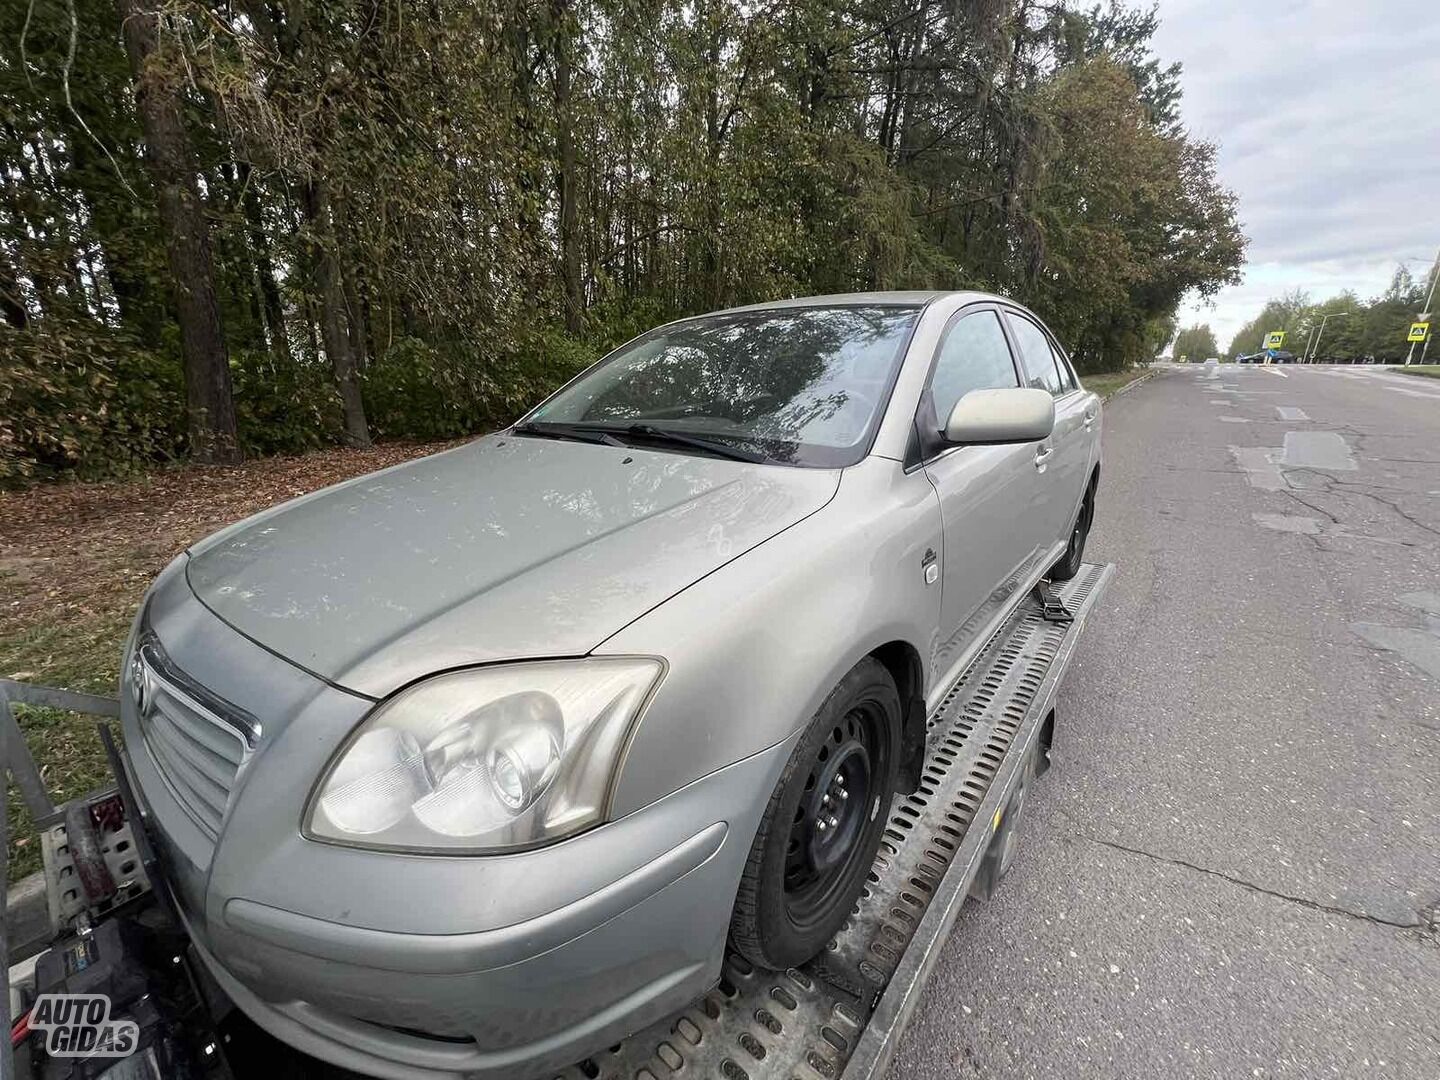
(1274, 339)
(1418, 331)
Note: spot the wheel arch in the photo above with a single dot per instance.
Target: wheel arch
(902, 660)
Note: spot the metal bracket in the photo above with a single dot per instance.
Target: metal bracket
(1052, 608)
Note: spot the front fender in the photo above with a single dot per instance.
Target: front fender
(754, 648)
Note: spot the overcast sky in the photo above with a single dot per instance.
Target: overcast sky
(1327, 115)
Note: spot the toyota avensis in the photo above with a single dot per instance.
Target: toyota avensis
(473, 766)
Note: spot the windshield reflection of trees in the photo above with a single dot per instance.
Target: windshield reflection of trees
(775, 377)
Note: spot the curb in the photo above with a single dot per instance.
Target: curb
(1131, 384)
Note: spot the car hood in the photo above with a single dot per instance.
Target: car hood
(505, 548)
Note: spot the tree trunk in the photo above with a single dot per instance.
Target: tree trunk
(209, 402)
(565, 151)
(334, 327)
(12, 300)
(274, 308)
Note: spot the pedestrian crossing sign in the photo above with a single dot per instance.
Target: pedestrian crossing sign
(1274, 339)
(1418, 331)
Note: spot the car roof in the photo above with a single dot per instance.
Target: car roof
(897, 298)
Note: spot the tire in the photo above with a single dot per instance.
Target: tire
(1069, 564)
(803, 875)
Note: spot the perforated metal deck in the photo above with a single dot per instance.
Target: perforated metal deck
(842, 1014)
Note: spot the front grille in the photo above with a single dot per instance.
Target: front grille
(197, 741)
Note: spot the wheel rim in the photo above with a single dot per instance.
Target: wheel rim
(826, 833)
(1082, 525)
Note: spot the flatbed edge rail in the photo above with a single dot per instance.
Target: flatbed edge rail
(881, 1036)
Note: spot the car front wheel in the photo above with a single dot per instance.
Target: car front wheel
(817, 839)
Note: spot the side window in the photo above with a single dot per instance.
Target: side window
(1067, 373)
(1036, 358)
(973, 356)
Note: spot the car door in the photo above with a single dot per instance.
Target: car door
(987, 493)
(1063, 459)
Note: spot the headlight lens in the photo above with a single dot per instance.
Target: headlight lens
(489, 758)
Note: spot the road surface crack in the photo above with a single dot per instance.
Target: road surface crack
(1307, 503)
(1314, 905)
(1364, 490)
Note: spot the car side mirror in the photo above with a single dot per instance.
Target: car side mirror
(1007, 415)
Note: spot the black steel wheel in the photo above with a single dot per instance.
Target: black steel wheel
(1069, 564)
(818, 836)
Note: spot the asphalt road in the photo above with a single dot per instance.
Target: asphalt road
(1229, 870)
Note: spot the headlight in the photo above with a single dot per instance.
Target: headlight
(495, 757)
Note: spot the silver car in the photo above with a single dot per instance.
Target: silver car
(472, 766)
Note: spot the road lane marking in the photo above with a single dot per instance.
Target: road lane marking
(1290, 412)
(1275, 371)
(1411, 393)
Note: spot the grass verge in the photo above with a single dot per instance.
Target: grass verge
(1425, 371)
(1107, 383)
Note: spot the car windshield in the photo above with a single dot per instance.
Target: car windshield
(801, 385)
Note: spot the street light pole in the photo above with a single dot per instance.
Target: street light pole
(1320, 333)
(1425, 315)
(1305, 356)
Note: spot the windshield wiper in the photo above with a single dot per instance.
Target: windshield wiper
(698, 442)
(549, 430)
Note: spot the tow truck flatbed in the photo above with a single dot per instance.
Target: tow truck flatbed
(840, 1017)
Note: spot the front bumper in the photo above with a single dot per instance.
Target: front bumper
(517, 1000)
(429, 966)
(525, 1006)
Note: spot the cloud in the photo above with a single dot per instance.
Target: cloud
(1327, 116)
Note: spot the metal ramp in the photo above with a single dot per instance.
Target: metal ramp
(841, 1015)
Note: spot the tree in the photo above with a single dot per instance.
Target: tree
(1196, 343)
(209, 402)
(1286, 313)
(1356, 329)
(417, 226)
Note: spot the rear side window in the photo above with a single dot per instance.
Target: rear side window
(1043, 369)
(973, 356)
(1067, 373)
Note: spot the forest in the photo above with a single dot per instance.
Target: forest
(235, 228)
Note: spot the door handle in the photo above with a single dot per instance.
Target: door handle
(1043, 455)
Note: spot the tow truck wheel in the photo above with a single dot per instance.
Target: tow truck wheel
(817, 839)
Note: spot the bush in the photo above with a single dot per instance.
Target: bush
(443, 391)
(81, 400)
(284, 408)
(78, 399)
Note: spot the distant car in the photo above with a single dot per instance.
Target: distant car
(1279, 356)
(1212, 360)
